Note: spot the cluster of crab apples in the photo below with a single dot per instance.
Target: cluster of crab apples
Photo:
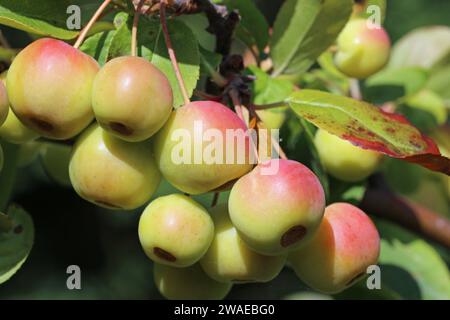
(122, 118)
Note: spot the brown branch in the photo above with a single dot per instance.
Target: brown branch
(91, 22)
(380, 201)
(221, 23)
(172, 54)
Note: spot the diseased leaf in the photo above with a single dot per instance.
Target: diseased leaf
(368, 127)
(151, 45)
(16, 244)
(303, 30)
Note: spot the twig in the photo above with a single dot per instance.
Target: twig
(135, 27)
(381, 202)
(238, 108)
(221, 23)
(91, 22)
(355, 89)
(172, 55)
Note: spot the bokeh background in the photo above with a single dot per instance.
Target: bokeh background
(105, 244)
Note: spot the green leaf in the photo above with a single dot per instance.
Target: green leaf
(198, 23)
(410, 266)
(439, 82)
(422, 47)
(16, 244)
(347, 192)
(43, 17)
(98, 46)
(430, 102)
(303, 30)
(411, 79)
(151, 45)
(253, 28)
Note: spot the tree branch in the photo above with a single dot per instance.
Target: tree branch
(380, 201)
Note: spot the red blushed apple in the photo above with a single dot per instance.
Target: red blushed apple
(50, 86)
(202, 146)
(363, 49)
(276, 212)
(131, 98)
(338, 255)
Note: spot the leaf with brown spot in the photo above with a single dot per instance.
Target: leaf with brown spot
(368, 127)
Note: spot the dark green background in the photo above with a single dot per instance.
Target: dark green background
(105, 244)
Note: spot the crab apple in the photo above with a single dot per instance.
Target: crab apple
(343, 160)
(175, 230)
(338, 255)
(189, 283)
(131, 98)
(112, 173)
(229, 259)
(12, 130)
(50, 87)
(203, 146)
(4, 103)
(277, 207)
(363, 49)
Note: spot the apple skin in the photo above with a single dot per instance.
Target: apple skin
(131, 98)
(112, 173)
(50, 86)
(276, 213)
(362, 51)
(189, 283)
(201, 177)
(12, 130)
(229, 259)
(4, 103)
(338, 255)
(175, 230)
(343, 160)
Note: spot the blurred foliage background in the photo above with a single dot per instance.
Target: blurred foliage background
(106, 247)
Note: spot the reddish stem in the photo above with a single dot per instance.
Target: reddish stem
(172, 55)
(91, 22)
(137, 13)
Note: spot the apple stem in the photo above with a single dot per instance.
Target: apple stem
(234, 95)
(355, 89)
(173, 58)
(137, 13)
(91, 22)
